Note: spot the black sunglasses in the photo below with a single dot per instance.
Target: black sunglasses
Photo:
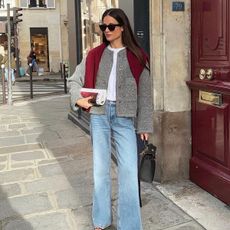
(111, 27)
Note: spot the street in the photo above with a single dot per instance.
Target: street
(41, 88)
(46, 177)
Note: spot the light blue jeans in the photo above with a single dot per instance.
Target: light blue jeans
(12, 74)
(121, 129)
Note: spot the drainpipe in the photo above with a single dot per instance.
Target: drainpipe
(60, 33)
(78, 30)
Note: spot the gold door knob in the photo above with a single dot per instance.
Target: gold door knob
(202, 74)
(209, 74)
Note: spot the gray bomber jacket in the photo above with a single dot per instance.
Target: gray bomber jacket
(130, 101)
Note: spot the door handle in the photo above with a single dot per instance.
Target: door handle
(209, 74)
(202, 74)
(206, 74)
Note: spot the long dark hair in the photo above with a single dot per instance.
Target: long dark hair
(128, 37)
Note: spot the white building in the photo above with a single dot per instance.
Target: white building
(44, 26)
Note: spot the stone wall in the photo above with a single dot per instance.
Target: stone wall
(170, 61)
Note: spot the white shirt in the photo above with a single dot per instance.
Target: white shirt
(111, 91)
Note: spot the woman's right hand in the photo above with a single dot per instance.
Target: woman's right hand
(84, 102)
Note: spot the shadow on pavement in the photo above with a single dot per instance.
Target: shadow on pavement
(10, 218)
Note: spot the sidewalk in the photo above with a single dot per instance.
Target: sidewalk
(46, 178)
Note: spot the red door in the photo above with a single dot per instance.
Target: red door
(210, 87)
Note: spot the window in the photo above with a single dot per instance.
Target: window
(50, 3)
(37, 3)
(33, 3)
(24, 3)
(41, 3)
(5, 2)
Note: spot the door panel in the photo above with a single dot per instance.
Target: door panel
(210, 31)
(210, 161)
(212, 136)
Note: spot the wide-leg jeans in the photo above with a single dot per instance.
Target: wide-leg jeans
(121, 129)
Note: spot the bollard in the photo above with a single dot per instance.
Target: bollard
(61, 69)
(65, 74)
(31, 81)
(3, 84)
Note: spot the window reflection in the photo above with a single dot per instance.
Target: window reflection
(91, 12)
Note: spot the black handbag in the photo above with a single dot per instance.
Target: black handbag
(147, 163)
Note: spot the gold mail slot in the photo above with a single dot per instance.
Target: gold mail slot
(210, 98)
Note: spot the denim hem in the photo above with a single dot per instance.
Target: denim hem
(102, 227)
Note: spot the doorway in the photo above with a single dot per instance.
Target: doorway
(39, 40)
(210, 87)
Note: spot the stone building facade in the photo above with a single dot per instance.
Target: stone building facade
(44, 26)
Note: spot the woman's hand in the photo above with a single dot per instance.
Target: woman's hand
(84, 102)
(144, 136)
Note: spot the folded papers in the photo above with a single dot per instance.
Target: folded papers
(98, 95)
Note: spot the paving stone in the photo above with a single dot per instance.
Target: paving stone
(3, 127)
(19, 224)
(21, 165)
(9, 117)
(9, 190)
(33, 130)
(9, 121)
(10, 141)
(16, 175)
(35, 120)
(63, 130)
(83, 218)
(84, 178)
(79, 150)
(68, 168)
(20, 148)
(9, 133)
(28, 156)
(53, 161)
(51, 221)
(50, 170)
(36, 125)
(3, 167)
(55, 183)
(17, 126)
(34, 137)
(74, 198)
(24, 205)
(157, 217)
(56, 143)
(202, 206)
(3, 158)
(192, 225)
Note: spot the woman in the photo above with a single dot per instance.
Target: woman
(31, 59)
(120, 66)
(12, 68)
